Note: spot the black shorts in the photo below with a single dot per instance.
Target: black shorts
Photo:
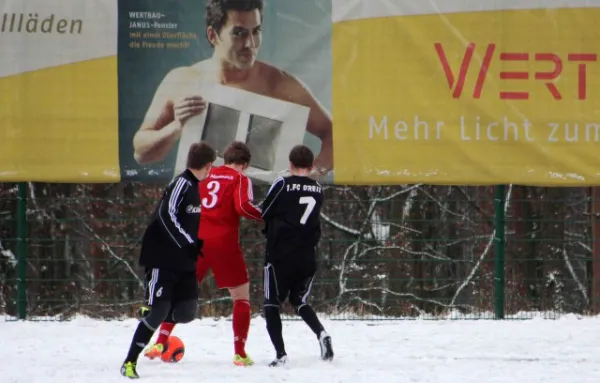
(292, 282)
(168, 285)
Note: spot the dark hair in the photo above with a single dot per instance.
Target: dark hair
(200, 155)
(237, 153)
(215, 12)
(301, 157)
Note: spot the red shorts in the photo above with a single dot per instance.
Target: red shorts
(227, 264)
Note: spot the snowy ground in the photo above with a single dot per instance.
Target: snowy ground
(463, 351)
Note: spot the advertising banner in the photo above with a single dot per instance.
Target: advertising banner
(466, 92)
(108, 91)
(384, 92)
(58, 91)
(192, 70)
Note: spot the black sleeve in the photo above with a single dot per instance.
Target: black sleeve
(168, 213)
(267, 205)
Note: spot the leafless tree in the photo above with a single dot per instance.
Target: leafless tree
(387, 251)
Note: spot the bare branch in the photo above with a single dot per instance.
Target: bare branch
(407, 295)
(484, 254)
(341, 278)
(584, 246)
(339, 226)
(441, 205)
(397, 194)
(367, 303)
(580, 285)
(109, 249)
(41, 213)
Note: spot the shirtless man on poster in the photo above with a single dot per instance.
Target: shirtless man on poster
(233, 28)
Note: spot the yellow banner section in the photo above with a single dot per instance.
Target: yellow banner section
(468, 98)
(60, 124)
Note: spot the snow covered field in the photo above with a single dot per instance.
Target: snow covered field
(566, 350)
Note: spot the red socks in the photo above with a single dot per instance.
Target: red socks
(241, 325)
(166, 328)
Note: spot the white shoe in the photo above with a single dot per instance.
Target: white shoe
(326, 347)
(279, 362)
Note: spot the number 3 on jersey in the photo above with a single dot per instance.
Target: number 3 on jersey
(213, 188)
(310, 205)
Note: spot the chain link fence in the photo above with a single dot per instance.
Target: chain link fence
(413, 251)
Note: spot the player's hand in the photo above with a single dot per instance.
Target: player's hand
(143, 311)
(188, 107)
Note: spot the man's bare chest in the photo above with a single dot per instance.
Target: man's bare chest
(257, 87)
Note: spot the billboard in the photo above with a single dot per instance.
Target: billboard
(105, 91)
(466, 92)
(441, 92)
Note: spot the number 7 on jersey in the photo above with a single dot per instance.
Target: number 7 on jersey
(310, 203)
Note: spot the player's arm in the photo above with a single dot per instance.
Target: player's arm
(244, 197)
(168, 213)
(319, 121)
(267, 206)
(163, 121)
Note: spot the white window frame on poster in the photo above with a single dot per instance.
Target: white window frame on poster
(294, 118)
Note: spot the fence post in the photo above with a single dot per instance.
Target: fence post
(499, 241)
(22, 250)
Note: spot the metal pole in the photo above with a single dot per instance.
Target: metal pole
(22, 250)
(499, 242)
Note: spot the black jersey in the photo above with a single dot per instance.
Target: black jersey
(171, 239)
(291, 213)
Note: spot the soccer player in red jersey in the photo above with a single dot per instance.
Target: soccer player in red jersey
(226, 196)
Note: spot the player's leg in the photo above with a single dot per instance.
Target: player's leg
(159, 293)
(230, 272)
(242, 314)
(185, 299)
(275, 290)
(164, 332)
(299, 292)
(167, 327)
(144, 309)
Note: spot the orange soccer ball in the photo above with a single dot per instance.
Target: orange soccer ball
(174, 350)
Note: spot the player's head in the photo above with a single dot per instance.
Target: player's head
(200, 159)
(233, 29)
(237, 154)
(301, 160)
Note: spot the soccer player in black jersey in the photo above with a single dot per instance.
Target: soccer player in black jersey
(170, 248)
(293, 230)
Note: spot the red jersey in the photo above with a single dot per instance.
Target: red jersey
(225, 195)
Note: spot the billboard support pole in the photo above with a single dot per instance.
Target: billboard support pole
(499, 249)
(22, 251)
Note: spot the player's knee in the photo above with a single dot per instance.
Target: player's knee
(158, 313)
(185, 311)
(295, 302)
(186, 317)
(241, 306)
(270, 308)
(241, 292)
(270, 302)
(299, 307)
